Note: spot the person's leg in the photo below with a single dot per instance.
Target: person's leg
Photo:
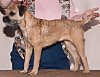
(16, 60)
(52, 57)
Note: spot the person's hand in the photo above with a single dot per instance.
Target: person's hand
(85, 14)
(5, 3)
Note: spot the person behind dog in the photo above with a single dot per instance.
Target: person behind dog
(53, 56)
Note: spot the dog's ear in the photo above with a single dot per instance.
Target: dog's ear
(22, 9)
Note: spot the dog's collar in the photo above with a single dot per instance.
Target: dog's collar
(15, 1)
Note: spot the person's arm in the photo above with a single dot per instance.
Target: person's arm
(85, 14)
(5, 3)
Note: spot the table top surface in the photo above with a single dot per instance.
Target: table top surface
(50, 73)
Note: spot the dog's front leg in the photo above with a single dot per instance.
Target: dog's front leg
(37, 56)
(28, 53)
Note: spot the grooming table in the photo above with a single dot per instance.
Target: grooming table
(50, 73)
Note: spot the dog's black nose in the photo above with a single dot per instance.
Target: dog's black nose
(6, 19)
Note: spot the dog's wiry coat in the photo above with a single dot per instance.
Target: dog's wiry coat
(40, 33)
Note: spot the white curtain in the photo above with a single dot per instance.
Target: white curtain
(92, 36)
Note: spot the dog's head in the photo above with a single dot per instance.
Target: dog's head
(15, 13)
(12, 18)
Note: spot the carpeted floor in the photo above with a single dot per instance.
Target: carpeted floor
(50, 73)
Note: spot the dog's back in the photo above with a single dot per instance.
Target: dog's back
(48, 32)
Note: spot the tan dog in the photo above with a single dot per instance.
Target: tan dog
(39, 33)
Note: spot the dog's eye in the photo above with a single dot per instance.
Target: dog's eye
(12, 13)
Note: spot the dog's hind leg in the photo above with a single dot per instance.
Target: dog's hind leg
(37, 56)
(28, 53)
(72, 50)
(79, 44)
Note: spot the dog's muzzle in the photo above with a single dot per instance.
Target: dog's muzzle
(6, 19)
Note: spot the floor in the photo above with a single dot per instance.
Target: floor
(50, 73)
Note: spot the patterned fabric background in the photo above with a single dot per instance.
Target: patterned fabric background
(65, 5)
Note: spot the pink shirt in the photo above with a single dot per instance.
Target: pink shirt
(73, 11)
(47, 9)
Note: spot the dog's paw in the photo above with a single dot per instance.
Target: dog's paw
(32, 73)
(23, 71)
(74, 69)
(86, 71)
